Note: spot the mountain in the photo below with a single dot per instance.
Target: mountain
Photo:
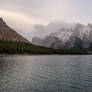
(75, 37)
(8, 34)
(41, 31)
(13, 43)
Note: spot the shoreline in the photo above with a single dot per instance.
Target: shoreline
(5, 54)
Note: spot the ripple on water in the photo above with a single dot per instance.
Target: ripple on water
(46, 74)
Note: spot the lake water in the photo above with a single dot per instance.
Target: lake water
(46, 73)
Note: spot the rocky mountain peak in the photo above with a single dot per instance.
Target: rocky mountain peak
(8, 34)
(2, 22)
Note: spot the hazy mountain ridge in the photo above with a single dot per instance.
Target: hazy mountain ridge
(8, 34)
(77, 36)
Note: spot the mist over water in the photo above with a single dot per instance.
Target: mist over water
(46, 73)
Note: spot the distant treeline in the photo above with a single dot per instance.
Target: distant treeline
(9, 47)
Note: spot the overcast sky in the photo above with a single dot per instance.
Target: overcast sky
(23, 14)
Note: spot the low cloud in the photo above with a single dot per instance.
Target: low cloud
(20, 22)
(18, 19)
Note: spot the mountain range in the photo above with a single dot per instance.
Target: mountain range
(13, 43)
(71, 36)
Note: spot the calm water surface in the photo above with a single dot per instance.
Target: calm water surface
(46, 73)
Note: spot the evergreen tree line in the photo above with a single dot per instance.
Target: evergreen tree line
(9, 47)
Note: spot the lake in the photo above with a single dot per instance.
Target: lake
(46, 73)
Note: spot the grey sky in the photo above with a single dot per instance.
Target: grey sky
(23, 14)
(47, 10)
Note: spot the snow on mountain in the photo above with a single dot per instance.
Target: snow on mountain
(68, 35)
(41, 31)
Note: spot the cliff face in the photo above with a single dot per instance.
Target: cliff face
(8, 34)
